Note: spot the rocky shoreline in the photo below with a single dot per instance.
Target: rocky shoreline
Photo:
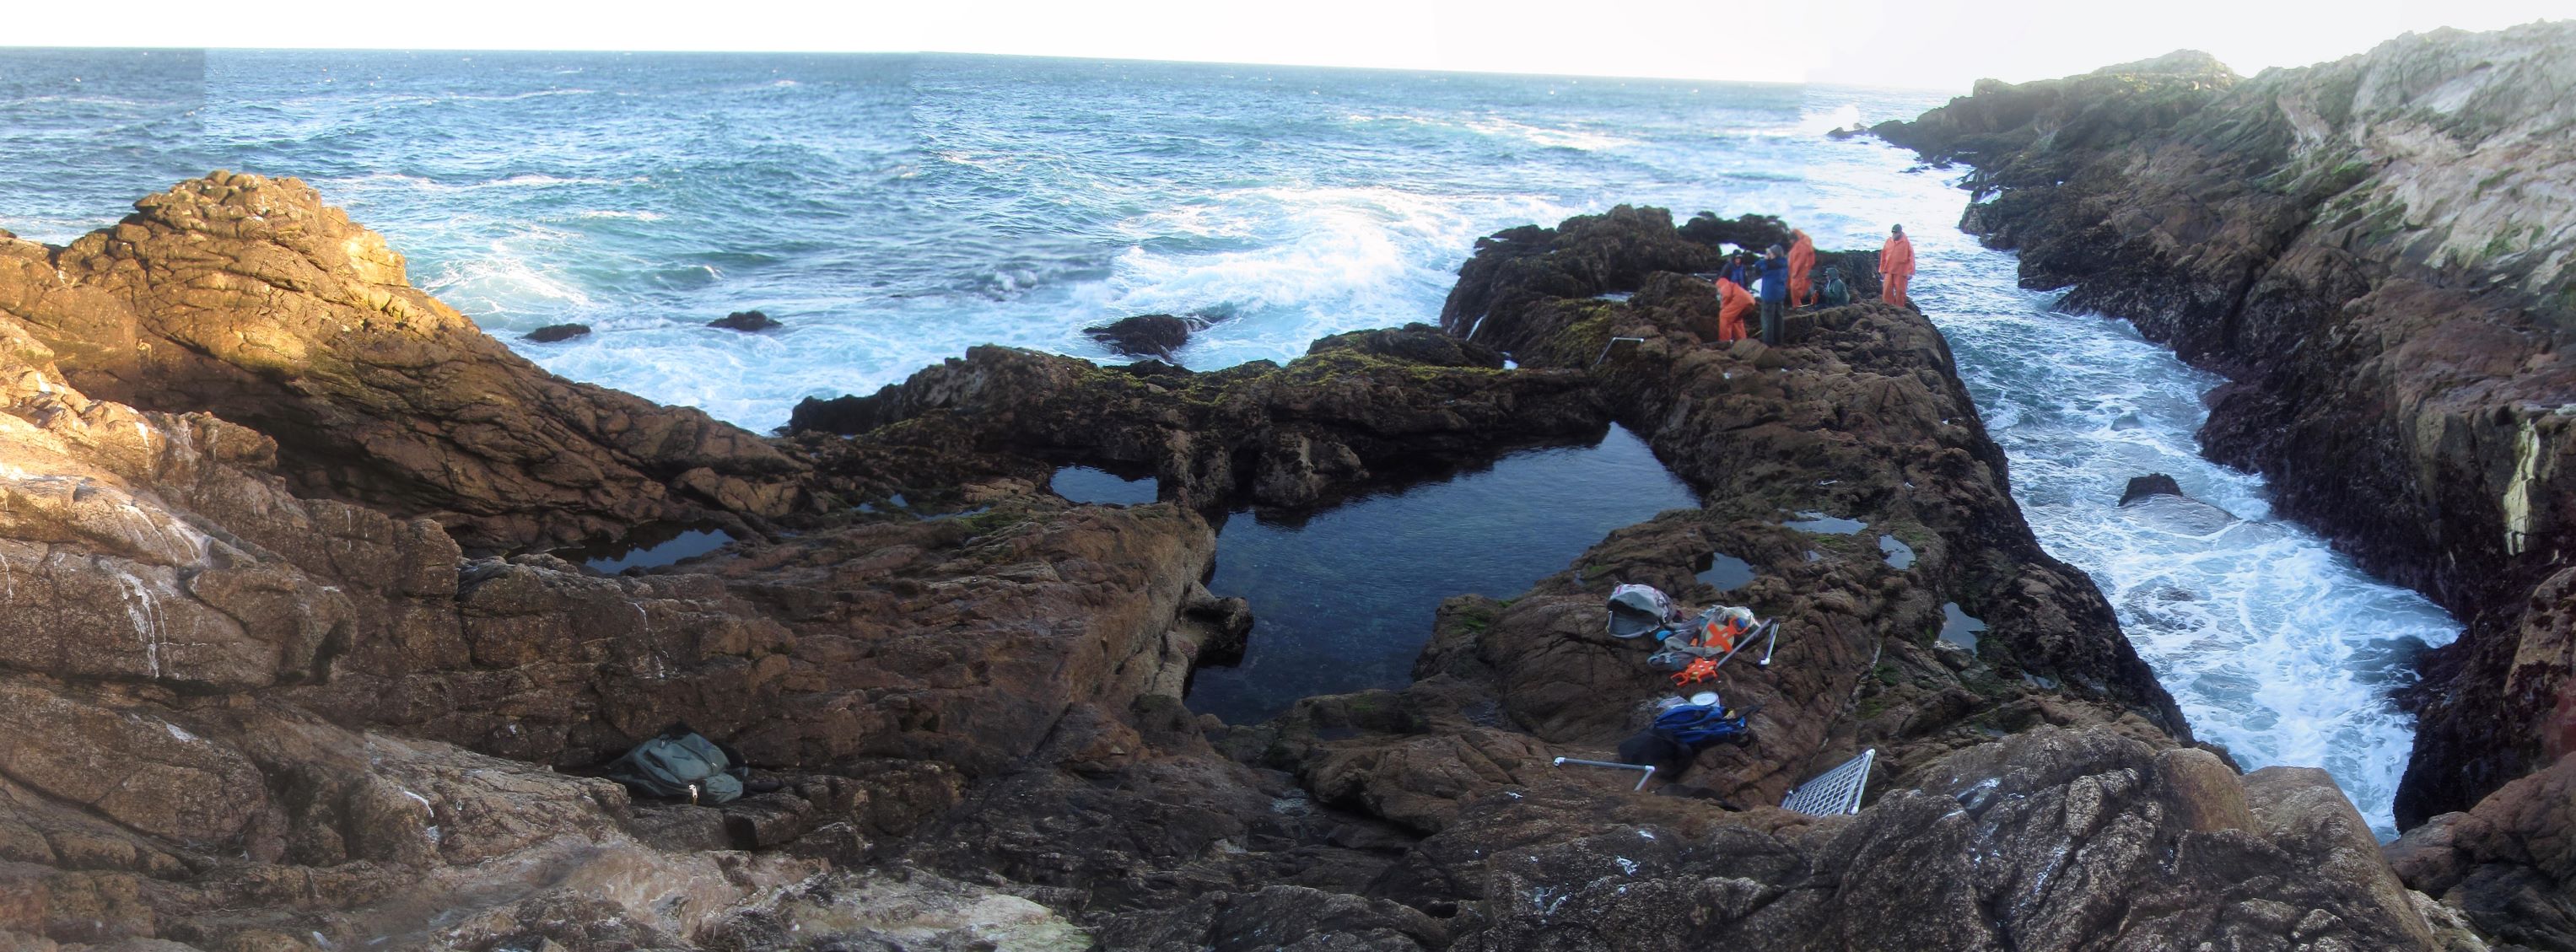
(287, 670)
(2376, 250)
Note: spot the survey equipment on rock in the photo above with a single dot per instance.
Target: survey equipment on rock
(1636, 610)
(1834, 792)
(1710, 641)
(1645, 772)
(1616, 343)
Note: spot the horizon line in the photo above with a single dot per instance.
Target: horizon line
(1250, 64)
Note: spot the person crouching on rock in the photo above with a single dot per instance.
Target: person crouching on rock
(1802, 263)
(1775, 293)
(1733, 302)
(1895, 267)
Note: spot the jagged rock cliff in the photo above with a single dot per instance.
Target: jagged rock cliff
(2379, 251)
(255, 694)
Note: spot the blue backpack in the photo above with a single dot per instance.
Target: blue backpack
(1698, 725)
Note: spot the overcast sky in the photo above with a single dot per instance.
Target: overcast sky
(1932, 44)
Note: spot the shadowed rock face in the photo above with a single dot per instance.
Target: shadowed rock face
(2377, 249)
(246, 703)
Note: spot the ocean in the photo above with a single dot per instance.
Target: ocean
(894, 210)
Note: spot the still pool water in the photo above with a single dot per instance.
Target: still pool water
(1344, 601)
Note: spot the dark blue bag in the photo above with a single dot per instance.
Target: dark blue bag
(1699, 725)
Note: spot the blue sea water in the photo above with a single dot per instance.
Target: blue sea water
(893, 210)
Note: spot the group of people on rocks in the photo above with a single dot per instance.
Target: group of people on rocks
(1785, 277)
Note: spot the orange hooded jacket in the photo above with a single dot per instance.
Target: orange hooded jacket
(1895, 268)
(1733, 302)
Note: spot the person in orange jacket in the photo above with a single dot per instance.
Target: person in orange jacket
(1733, 302)
(1802, 260)
(1895, 266)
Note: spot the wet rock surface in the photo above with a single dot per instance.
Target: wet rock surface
(1144, 335)
(553, 333)
(248, 701)
(748, 322)
(2150, 485)
(2376, 249)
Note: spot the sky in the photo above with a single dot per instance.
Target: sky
(1924, 44)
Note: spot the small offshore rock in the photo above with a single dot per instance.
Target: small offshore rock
(748, 322)
(556, 332)
(2152, 484)
(1144, 335)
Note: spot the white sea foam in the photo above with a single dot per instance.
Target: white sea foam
(1555, 138)
(2274, 645)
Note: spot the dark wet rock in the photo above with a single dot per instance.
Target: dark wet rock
(2357, 244)
(1520, 268)
(1360, 411)
(1753, 232)
(2152, 484)
(1144, 335)
(1413, 343)
(748, 322)
(553, 333)
(2052, 839)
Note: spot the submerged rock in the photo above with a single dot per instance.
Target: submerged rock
(748, 322)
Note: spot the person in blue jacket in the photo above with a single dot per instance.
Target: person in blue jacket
(1775, 293)
(1740, 269)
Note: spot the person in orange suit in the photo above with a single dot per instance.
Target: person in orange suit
(1802, 260)
(1895, 266)
(1733, 302)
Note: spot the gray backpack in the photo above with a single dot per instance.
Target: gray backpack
(681, 764)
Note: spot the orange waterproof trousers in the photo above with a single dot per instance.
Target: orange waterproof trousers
(1802, 262)
(1895, 268)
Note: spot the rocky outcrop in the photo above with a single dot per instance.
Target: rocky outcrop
(1362, 409)
(238, 715)
(1517, 270)
(748, 322)
(247, 298)
(556, 333)
(2049, 840)
(2152, 484)
(1144, 335)
(2377, 249)
(2506, 863)
(1745, 232)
